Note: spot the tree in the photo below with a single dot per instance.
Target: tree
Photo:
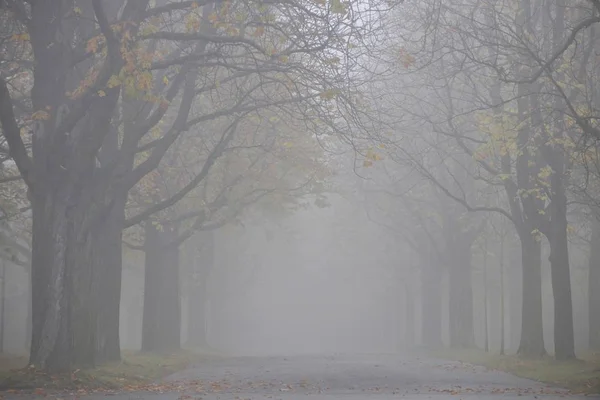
(88, 146)
(265, 160)
(515, 141)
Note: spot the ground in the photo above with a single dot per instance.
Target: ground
(334, 377)
(581, 375)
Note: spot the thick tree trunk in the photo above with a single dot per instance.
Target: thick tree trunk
(57, 240)
(461, 296)
(486, 333)
(80, 277)
(88, 264)
(431, 306)
(532, 332)
(197, 315)
(564, 340)
(202, 256)
(502, 305)
(2, 303)
(594, 286)
(55, 338)
(28, 327)
(161, 327)
(107, 286)
(66, 243)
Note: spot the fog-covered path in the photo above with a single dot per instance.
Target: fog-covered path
(341, 377)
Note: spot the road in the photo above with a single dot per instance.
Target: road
(339, 377)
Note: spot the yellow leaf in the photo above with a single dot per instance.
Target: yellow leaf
(92, 45)
(40, 115)
(20, 37)
(113, 81)
(101, 93)
(367, 163)
(77, 11)
(144, 81)
(165, 80)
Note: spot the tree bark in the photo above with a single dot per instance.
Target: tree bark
(2, 303)
(431, 305)
(502, 305)
(486, 344)
(28, 327)
(461, 295)
(564, 339)
(528, 162)
(107, 264)
(532, 332)
(409, 328)
(594, 285)
(203, 259)
(54, 305)
(197, 316)
(53, 199)
(161, 327)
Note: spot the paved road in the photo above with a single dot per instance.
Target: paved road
(340, 377)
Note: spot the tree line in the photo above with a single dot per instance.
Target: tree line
(491, 120)
(163, 118)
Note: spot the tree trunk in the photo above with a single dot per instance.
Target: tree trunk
(461, 297)
(203, 259)
(161, 327)
(564, 340)
(28, 327)
(65, 219)
(431, 305)
(594, 285)
(82, 308)
(486, 332)
(56, 341)
(409, 328)
(197, 316)
(502, 312)
(107, 286)
(2, 304)
(532, 332)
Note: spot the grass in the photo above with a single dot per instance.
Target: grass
(579, 376)
(9, 362)
(133, 372)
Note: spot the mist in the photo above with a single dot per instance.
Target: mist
(192, 187)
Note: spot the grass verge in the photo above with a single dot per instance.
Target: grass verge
(579, 376)
(133, 372)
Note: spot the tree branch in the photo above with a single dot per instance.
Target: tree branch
(12, 133)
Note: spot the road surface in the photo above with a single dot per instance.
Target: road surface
(339, 377)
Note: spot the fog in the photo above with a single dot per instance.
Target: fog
(250, 178)
(309, 291)
(324, 280)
